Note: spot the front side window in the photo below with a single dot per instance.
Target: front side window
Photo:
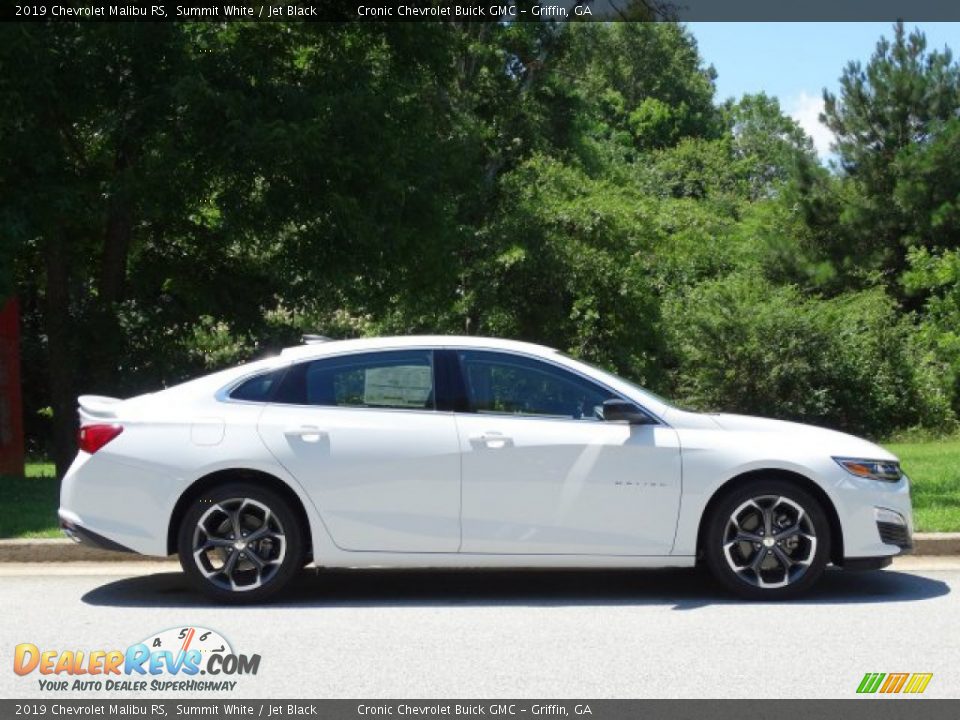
(400, 379)
(502, 383)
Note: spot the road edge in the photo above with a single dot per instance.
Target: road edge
(63, 550)
(21, 550)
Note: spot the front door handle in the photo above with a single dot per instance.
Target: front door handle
(307, 433)
(493, 440)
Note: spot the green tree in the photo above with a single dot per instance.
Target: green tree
(192, 195)
(927, 190)
(643, 84)
(850, 362)
(884, 108)
(770, 143)
(184, 175)
(94, 159)
(565, 265)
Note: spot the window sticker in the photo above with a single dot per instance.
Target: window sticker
(400, 385)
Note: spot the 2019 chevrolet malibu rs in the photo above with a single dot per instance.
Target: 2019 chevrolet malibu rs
(469, 452)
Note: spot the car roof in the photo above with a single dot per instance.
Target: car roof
(331, 347)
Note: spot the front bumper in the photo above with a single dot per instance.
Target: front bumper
(894, 529)
(876, 517)
(866, 563)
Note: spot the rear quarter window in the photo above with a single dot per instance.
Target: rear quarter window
(257, 388)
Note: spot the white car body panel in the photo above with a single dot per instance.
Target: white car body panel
(382, 480)
(558, 486)
(416, 488)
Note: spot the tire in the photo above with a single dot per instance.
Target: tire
(223, 566)
(784, 541)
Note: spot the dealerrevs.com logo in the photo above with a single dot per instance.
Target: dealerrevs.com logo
(894, 683)
(182, 659)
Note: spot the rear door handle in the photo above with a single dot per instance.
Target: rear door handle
(307, 433)
(493, 440)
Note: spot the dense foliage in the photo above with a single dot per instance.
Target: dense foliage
(181, 197)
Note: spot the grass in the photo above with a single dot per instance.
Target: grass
(30, 503)
(934, 469)
(29, 508)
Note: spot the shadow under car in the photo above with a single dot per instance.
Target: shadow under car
(684, 589)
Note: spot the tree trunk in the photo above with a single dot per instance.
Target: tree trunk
(116, 249)
(116, 245)
(117, 237)
(59, 353)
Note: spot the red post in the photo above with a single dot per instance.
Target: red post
(11, 411)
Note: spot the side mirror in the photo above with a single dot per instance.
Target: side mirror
(621, 410)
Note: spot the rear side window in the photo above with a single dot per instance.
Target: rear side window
(399, 379)
(257, 388)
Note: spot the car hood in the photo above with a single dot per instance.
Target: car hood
(830, 441)
(728, 421)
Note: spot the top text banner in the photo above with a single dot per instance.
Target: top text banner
(482, 11)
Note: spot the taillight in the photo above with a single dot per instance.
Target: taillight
(91, 438)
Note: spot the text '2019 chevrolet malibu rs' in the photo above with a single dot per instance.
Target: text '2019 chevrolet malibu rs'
(469, 452)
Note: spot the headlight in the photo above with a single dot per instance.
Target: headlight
(886, 470)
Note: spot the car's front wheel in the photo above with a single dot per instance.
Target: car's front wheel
(241, 543)
(768, 539)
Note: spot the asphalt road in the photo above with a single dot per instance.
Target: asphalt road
(511, 634)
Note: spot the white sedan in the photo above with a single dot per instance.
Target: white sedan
(469, 452)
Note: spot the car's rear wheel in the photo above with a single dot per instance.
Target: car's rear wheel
(241, 543)
(767, 540)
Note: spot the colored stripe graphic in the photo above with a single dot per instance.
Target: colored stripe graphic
(870, 682)
(918, 683)
(892, 683)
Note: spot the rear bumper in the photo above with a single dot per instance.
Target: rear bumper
(79, 534)
(117, 505)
